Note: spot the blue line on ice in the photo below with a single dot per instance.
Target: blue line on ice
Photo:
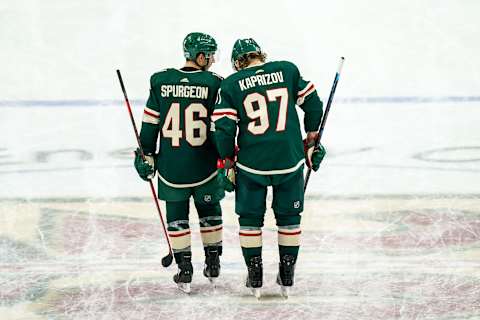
(107, 102)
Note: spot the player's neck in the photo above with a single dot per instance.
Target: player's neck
(255, 62)
(192, 64)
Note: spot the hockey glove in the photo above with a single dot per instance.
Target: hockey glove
(313, 156)
(226, 172)
(145, 168)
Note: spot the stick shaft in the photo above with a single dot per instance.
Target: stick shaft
(152, 188)
(325, 115)
(127, 102)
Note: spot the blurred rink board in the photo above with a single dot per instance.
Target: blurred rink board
(373, 148)
(376, 257)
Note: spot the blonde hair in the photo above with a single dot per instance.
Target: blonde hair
(245, 60)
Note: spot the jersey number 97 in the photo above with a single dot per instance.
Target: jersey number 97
(259, 117)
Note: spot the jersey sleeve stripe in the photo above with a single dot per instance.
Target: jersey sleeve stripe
(222, 113)
(223, 110)
(151, 116)
(150, 119)
(151, 112)
(219, 115)
(305, 92)
(308, 89)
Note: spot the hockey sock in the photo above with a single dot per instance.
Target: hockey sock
(248, 253)
(293, 251)
(251, 242)
(210, 217)
(179, 255)
(178, 227)
(289, 240)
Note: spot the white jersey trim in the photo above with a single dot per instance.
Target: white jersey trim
(151, 111)
(218, 117)
(188, 185)
(194, 71)
(225, 112)
(309, 88)
(269, 172)
(151, 116)
(150, 119)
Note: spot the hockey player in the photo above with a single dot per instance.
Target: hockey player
(260, 100)
(179, 106)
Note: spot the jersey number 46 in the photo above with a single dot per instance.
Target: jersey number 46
(195, 130)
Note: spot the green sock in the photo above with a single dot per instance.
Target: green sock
(291, 250)
(251, 252)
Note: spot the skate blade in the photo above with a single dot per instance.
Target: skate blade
(256, 292)
(213, 281)
(284, 291)
(184, 287)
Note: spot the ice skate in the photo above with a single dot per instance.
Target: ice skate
(255, 276)
(183, 278)
(184, 287)
(286, 272)
(212, 263)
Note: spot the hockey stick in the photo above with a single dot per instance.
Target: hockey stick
(325, 116)
(167, 260)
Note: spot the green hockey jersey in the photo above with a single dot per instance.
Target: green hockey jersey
(178, 109)
(261, 101)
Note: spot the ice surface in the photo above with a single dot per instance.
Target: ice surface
(372, 258)
(391, 228)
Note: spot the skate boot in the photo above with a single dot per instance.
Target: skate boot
(212, 263)
(286, 272)
(183, 278)
(255, 275)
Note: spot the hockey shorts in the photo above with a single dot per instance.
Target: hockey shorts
(251, 193)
